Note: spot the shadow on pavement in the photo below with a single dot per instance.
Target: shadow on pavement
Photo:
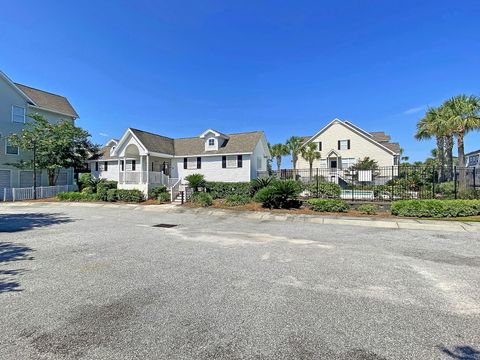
(462, 353)
(10, 253)
(20, 222)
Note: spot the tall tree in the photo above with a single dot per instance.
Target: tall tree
(278, 151)
(294, 145)
(310, 153)
(58, 145)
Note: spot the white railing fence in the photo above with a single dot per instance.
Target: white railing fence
(19, 194)
(175, 190)
(157, 177)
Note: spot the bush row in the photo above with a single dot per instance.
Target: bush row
(222, 190)
(436, 208)
(111, 195)
(77, 196)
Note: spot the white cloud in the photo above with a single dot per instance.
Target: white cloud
(415, 110)
(103, 134)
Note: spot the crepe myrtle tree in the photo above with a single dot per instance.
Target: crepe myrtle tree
(57, 145)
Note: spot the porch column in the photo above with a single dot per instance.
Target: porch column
(118, 164)
(141, 169)
(148, 169)
(124, 170)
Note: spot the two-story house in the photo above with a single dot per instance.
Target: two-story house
(17, 101)
(141, 160)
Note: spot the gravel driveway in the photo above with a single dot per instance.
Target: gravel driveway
(80, 282)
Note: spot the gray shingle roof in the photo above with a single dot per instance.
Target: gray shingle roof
(380, 136)
(154, 142)
(103, 154)
(237, 143)
(49, 101)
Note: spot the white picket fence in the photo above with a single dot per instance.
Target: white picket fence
(19, 194)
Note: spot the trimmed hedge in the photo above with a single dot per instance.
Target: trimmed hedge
(235, 200)
(436, 208)
(222, 190)
(155, 192)
(202, 199)
(369, 209)
(164, 197)
(103, 187)
(76, 196)
(325, 189)
(129, 195)
(328, 205)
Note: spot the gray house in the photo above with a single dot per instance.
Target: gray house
(16, 102)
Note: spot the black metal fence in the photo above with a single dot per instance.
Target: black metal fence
(386, 183)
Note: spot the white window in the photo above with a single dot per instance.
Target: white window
(192, 163)
(259, 162)
(11, 149)
(347, 162)
(232, 161)
(211, 142)
(343, 144)
(18, 114)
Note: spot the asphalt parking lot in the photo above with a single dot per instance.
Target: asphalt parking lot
(79, 282)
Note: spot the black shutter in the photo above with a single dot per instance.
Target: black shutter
(348, 144)
(105, 165)
(199, 162)
(185, 162)
(224, 162)
(122, 163)
(152, 165)
(134, 165)
(239, 161)
(319, 146)
(338, 144)
(96, 165)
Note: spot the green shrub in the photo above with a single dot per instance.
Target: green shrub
(328, 205)
(195, 181)
(235, 200)
(281, 194)
(164, 197)
(155, 192)
(102, 188)
(76, 196)
(260, 183)
(202, 199)
(369, 209)
(325, 189)
(112, 195)
(222, 190)
(436, 208)
(468, 194)
(129, 195)
(87, 190)
(85, 180)
(446, 189)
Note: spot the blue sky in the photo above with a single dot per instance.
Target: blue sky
(286, 67)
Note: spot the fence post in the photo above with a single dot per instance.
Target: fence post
(13, 194)
(318, 193)
(474, 183)
(393, 185)
(4, 194)
(433, 182)
(455, 181)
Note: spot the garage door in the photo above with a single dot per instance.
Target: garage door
(26, 178)
(4, 179)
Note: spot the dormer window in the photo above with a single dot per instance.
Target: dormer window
(211, 142)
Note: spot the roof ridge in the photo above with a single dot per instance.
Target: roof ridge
(243, 132)
(47, 92)
(151, 133)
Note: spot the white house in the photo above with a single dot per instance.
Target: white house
(142, 160)
(17, 101)
(472, 159)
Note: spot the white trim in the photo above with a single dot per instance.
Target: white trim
(24, 114)
(352, 128)
(168, 156)
(205, 155)
(214, 132)
(53, 111)
(15, 87)
(6, 145)
(124, 137)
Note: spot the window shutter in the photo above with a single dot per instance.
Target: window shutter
(199, 162)
(185, 162)
(348, 144)
(338, 144)
(105, 166)
(224, 162)
(134, 165)
(319, 146)
(122, 164)
(96, 165)
(239, 161)
(152, 165)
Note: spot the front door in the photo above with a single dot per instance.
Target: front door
(333, 164)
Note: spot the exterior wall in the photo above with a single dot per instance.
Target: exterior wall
(110, 174)
(259, 152)
(213, 171)
(359, 147)
(8, 98)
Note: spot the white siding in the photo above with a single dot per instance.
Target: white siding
(213, 171)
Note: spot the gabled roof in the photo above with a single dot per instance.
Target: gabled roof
(235, 143)
(155, 143)
(473, 152)
(48, 101)
(214, 132)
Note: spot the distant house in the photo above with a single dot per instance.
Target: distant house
(341, 144)
(16, 102)
(472, 159)
(142, 160)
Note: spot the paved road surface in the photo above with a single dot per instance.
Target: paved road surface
(101, 283)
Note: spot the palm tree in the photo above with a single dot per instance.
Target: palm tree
(294, 144)
(277, 151)
(309, 153)
(434, 124)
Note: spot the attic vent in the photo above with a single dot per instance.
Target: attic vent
(165, 225)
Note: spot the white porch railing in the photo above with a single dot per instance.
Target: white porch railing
(140, 177)
(19, 194)
(175, 190)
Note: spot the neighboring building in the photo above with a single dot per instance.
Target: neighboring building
(17, 101)
(141, 160)
(341, 144)
(472, 159)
